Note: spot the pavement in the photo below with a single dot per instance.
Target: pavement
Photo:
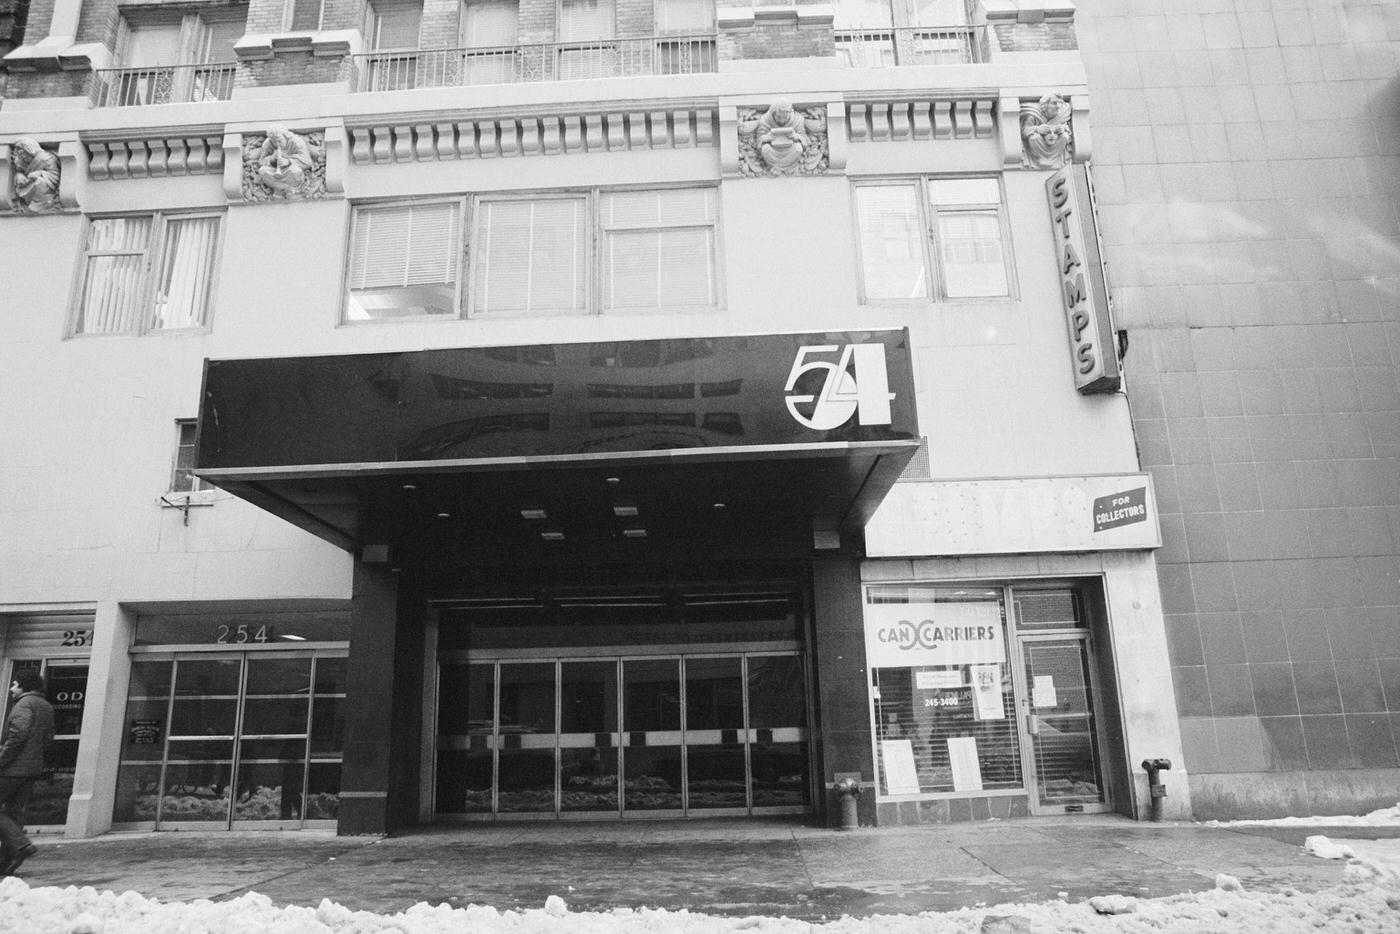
(725, 867)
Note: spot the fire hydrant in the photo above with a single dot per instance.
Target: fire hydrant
(848, 790)
(1154, 769)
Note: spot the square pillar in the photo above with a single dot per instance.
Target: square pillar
(364, 777)
(843, 701)
(104, 722)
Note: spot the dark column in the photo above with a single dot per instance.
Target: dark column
(842, 692)
(369, 702)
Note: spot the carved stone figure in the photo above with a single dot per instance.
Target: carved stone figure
(1045, 133)
(783, 140)
(284, 165)
(36, 172)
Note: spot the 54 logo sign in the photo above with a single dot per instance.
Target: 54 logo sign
(854, 384)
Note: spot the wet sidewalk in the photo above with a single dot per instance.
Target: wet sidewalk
(729, 867)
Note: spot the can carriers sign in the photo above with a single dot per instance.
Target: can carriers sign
(1118, 509)
(907, 635)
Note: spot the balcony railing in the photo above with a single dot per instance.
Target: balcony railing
(553, 61)
(910, 45)
(163, 84)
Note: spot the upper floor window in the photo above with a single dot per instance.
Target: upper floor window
(172, 59)
(933, 238)
(489, 32)
(146, 272)
(564, 253)
(182, 478)
(685, 16)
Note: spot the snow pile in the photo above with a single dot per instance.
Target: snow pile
(1368, 902)
(1384, 817)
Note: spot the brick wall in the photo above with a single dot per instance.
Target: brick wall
(439, 29)
(98, 22)
(536, 21)
(13, 14)
(635, 18)
(1035, 37)
(776, 41)
(291, 68)
(48, 84)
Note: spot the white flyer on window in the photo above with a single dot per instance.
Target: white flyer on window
(1043, 691)
(938, 680)
(986, 692)
(962, 757)
(901, 775)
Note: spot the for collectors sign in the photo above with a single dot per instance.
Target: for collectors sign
(905, 635)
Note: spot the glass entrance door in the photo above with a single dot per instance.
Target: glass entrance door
(654, 736)
(65, 686)
(1064, 753)
(233, 739)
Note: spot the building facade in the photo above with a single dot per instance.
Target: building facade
(1247, 163)
(565, 410)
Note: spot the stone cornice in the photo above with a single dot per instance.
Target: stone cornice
(922, 119)
(497, 136)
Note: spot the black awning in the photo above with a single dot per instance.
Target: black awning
(517, 453)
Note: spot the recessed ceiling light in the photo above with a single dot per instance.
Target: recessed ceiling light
(552, 535)
(410, 486)
(613, 479)
(444, 515)
(624, 510)
(719, 505)
(533, 514)
(634, 533)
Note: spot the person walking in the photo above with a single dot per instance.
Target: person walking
(28, 732)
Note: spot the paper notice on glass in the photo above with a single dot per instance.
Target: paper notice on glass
(1043, 692)
(962, 757)
(938, 680)
(986, 692)
(901, 775)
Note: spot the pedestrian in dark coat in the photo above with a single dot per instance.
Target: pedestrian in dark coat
(28, 732)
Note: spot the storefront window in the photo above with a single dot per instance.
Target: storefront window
(942, 690)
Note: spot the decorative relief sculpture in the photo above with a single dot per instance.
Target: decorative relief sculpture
(284, 166)
(783, 140)
(1045, 133)
(36, 176)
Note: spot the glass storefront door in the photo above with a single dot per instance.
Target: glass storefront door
(623, 736)
(65, 686)
(232, 739)
(1063, 740)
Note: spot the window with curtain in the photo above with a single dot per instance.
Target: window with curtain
(403, 260)
(587, 25)
(144, 273)
(933, 239)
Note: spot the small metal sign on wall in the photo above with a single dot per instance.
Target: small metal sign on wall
(1083, 289)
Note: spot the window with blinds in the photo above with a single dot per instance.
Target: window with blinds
(403, 260)
(145, 273)
(531, 257)
(933, 238)
(659, 248)
(655, 249)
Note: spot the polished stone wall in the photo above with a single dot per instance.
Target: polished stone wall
(1247, 167)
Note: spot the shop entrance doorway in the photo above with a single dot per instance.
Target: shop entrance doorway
(686, 710)
(991, 693)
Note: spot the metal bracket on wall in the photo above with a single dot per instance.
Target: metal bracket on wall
(183, 507)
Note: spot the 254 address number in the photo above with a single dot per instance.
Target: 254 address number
(237, 635)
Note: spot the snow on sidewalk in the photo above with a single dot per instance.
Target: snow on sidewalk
(1367, 901)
